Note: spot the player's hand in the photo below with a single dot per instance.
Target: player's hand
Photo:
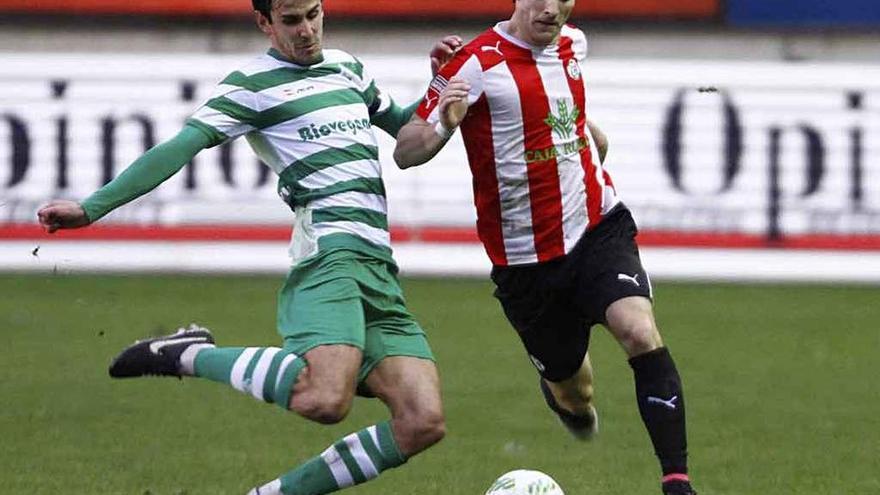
(61, 214)
(443, 51)
(453, 102)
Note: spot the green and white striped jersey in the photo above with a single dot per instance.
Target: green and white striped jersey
(311, 125)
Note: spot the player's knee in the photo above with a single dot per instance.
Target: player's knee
(430, 429)
(323, 406)
(423, 430)
(329, 412)
(433, 428)
(638, 335)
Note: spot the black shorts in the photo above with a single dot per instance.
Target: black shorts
(553, 305)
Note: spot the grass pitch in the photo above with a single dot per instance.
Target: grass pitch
(781, 385)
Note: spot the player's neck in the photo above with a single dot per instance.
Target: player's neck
(278, 54)
(518, 28)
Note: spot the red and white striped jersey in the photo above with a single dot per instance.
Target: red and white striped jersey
(538, 183)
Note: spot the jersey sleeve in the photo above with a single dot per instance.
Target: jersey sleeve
(580, 46)
(377, 101)
(465, 65)
(146, 173)
(384, 112)
(230, 112)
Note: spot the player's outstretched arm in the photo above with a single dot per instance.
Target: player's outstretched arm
(600, 138)
(418, 141)
(142, 176)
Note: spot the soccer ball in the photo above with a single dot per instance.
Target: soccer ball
(524, 482)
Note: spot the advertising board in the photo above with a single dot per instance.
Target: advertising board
(704, 153)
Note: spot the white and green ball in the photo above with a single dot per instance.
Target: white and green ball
(524, 482)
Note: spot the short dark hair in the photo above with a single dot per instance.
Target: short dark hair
(264, 7)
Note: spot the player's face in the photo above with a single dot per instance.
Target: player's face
(539, 22)
(296, 29)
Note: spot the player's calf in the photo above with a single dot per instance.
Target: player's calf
(583, 426)
(662, 407)
(356, 458)
(265, 373)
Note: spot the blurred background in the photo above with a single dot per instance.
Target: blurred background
(745, 137)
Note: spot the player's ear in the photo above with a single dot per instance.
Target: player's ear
(263, 22)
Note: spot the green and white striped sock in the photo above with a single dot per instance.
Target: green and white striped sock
(267, 373)
(356, 459)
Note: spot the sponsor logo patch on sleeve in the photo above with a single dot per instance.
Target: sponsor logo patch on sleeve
(438, 84)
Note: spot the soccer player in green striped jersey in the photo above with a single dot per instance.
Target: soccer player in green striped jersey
(309, 113)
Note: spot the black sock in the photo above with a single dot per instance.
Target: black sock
(661, 404)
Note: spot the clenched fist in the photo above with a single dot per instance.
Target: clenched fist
(62, 214)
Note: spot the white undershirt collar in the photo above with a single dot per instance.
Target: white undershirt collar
(501, 29)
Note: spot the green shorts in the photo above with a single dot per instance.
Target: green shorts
(344, 297)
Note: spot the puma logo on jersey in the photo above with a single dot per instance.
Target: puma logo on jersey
(669, 404)
(490, 48)
(438, 84)
(633, 280)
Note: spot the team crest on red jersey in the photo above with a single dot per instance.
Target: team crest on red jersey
(573, 69)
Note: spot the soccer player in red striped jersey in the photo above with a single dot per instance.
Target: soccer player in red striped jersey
(561, 241)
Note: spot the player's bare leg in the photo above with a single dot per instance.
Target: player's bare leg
(658, 387)
(319, 386)
(410, 387)
(631, 321)
(325, 389)
(575, 394)
(572, 400)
